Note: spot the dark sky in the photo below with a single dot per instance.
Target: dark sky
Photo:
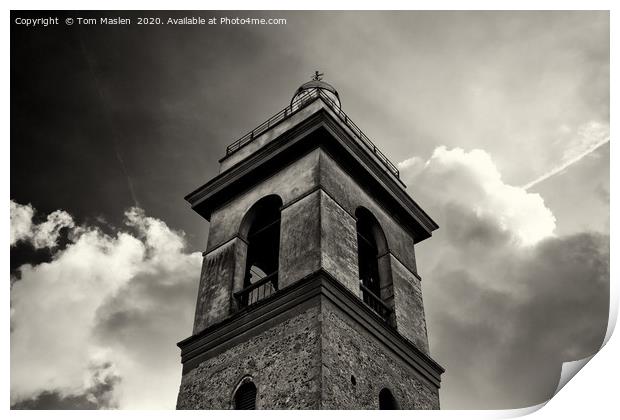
(104, 118)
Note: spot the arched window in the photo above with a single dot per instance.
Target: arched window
(387, 400)
(261, 230)
(245, 397)
(374, 264)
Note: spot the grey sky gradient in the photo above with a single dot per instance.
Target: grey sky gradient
(104, 118)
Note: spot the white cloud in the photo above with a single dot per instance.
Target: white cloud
(412, 162)
(43, 235)
(57, 307)
(21, 221)
(498, 283)
(46, 234)
(471, 179)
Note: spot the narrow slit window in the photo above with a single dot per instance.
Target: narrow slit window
(245, 397)
(387, 400)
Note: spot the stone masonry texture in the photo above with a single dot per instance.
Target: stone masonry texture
(351, 355)
(284, 363)
(317, 359)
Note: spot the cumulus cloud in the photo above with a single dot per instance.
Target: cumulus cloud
(507, 300)
(21, 222)
(43, 235)
(71, 316)
(472, 179)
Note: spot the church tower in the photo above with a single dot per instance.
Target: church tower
(309, 296)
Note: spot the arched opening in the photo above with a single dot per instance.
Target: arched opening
(387, 400)
(261, 230)
(374, 264)
(245, 397)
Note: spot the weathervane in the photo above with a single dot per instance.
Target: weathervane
(317, 76)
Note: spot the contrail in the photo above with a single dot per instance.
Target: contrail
(108, 120)
(566, 164)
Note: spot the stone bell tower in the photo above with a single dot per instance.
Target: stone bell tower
(309, 296)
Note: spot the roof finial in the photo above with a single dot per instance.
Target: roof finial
(317, 76)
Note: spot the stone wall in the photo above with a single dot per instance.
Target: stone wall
(339, 244)
(214, 297)
(349, 195)
(342, 195)
(300, 239)
(356, 367)
(283, 361)
(408, 305)
(224, 264)
(290, 183)
(315, 357)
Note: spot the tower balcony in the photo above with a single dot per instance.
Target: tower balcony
(258, 291)
(301, 101)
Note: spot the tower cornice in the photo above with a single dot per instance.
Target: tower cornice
(318, 127)
(297, 298)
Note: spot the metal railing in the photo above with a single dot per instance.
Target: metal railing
(301, 102)
(360, 135)
(255, 292)
(375, 302)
